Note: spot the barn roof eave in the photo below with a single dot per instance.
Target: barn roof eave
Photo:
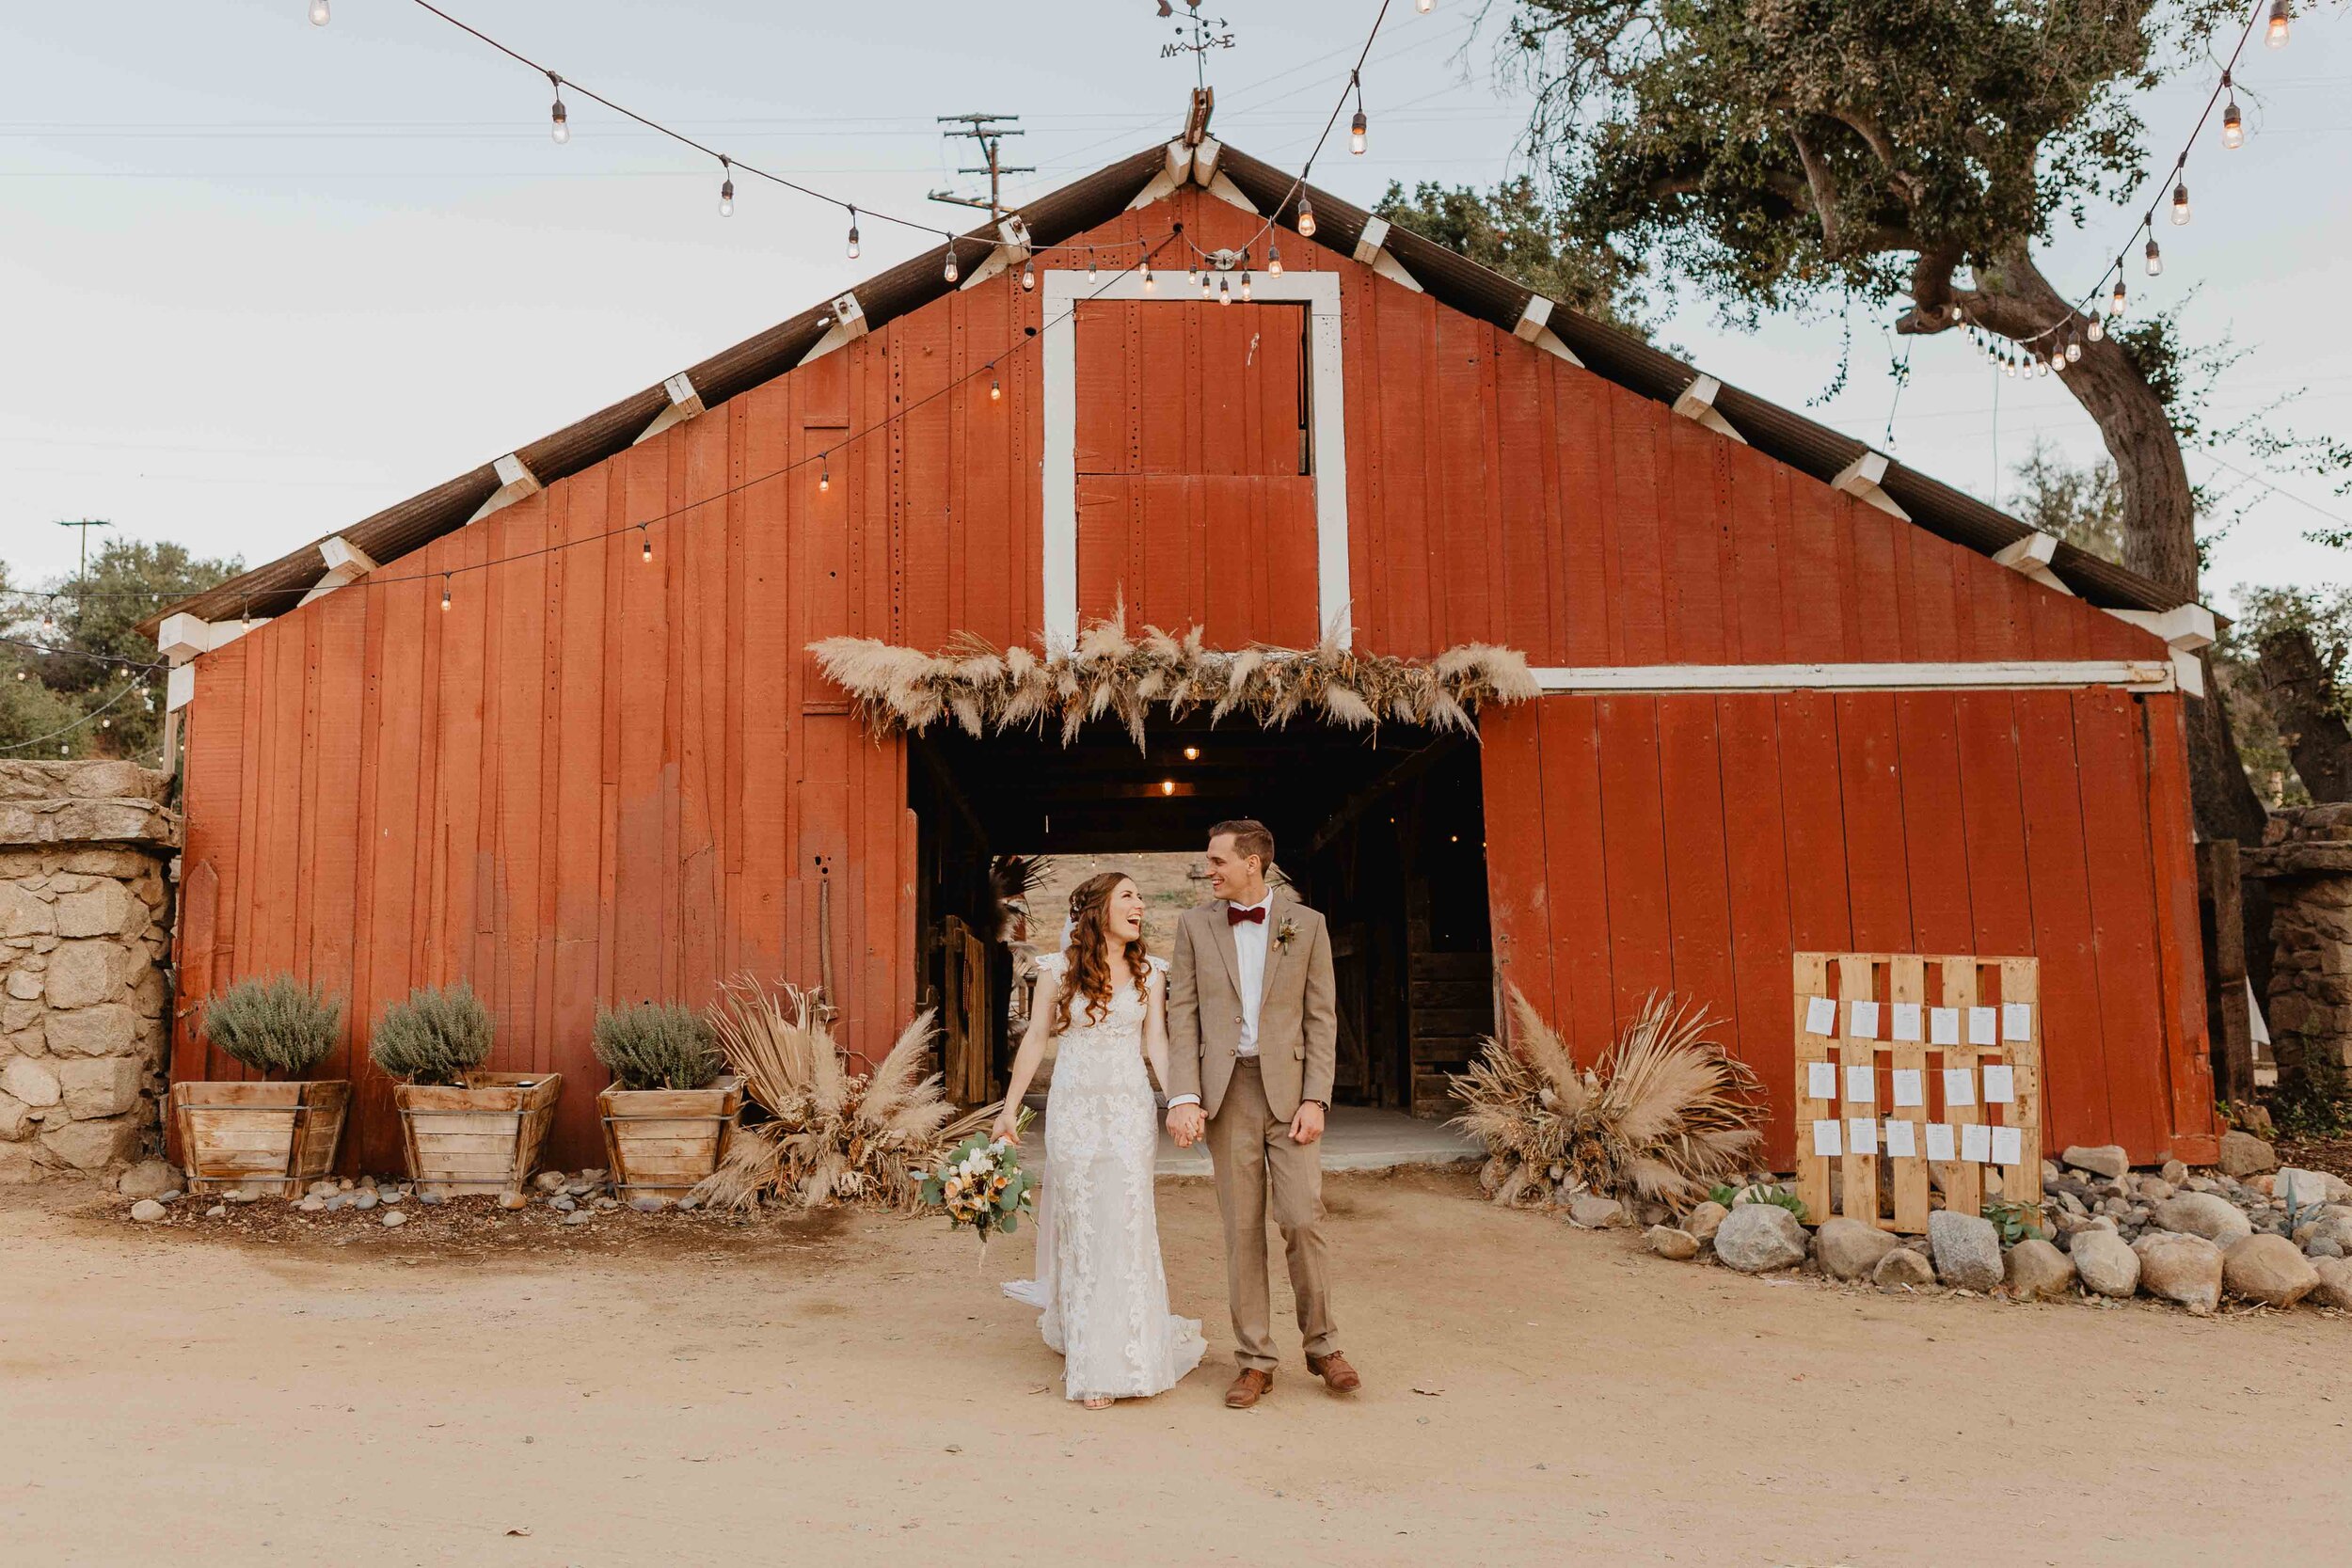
(1451, 278)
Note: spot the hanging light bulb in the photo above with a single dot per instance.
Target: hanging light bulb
(1424, 7)
(1245, 288)
(1274, 260)
(1356, 134)
(1091, 272)
(561, 126)
(1029, 278)
(2057, 359)
(1147, 278)
(319, 17)
(949, 270)
(824, 474)
(2232, 125)
(2095, 330)
(995, 389)
(853, 244)
(1225, 291)
(645, 531)
(47, 622)
(2008, 366)
(1306, 217)
(2155, 256)
(444, 593)
(726, 189)
(2074, 351)
(2115, 300)
(2275, 35)
(2180, 204)
(1205, 281)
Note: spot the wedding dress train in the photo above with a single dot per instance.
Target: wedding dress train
(1099, 1280)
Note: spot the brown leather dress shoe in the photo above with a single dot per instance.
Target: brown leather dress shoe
(1336, 1373)
(1247, 1388)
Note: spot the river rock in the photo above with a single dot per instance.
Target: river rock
(1849, 1249)
(217, 1210)
(512, 1201)
(2335, 1283)
(579, 1216)
(1665, 1241)
(2244, 1154)
(1967, 1250)
(2104, 1263)
(1703, 1220)
(147, 1179)
(1759, 1236)
(2300, 1189)
(563, 1203)
(649, 1203)
(549, 1180)
(395, 1218)
(146, 1210)
(1593, 1211)
(2036, 1271)
(2107, 1160)
(365, 1200)
(1902, 1266)
(2268, 1269)
(2177, 1266)
(2174, 1171)
(2206, 1215)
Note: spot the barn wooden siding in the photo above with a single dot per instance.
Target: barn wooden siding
(597, 778)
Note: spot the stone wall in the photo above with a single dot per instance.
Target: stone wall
(85, 930)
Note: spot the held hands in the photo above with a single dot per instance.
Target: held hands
(1307, 1126)
(1185, 1124)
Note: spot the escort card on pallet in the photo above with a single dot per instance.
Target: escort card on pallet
(1820, 1016)
(1820, 1080)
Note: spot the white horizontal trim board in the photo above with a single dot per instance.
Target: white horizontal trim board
(2014, 674)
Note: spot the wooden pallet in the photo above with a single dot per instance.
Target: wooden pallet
(1961, 982)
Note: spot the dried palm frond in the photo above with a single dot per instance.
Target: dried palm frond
(1111, 674)
(1663, 1115)
(835, 1135)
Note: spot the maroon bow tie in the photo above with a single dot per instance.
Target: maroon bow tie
(1234, 915)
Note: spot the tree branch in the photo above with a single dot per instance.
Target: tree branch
(1823, 186)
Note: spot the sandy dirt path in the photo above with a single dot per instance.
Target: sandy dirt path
(851, 1390)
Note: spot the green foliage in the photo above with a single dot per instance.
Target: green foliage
(2327, 616)
(1757, 1192)
(656, 1046)
(2312, 1099)
(2014, 1221)
(2083, 506)
(278, 1026)
(1510, 229)
(436, 1037)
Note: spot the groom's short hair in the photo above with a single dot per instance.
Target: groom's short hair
(1250, 837)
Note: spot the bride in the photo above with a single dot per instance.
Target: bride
(1099, 1275)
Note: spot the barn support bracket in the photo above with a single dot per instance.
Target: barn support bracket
(1533, 326)
(684, 404)
(515, 481)
(1372, 250)
(2186, 629)
(849, 325)
(1012, 246)
(345, 562)
(1861, 479)
(1697, 404)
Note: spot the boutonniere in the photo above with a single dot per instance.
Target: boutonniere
(1283, 937)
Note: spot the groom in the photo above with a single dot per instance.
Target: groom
(1252, 1037)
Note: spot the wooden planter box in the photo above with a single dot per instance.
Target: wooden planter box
(482, 1138)
(664, 1141)
(257, 1134)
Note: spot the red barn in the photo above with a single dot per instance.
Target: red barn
(553, 727)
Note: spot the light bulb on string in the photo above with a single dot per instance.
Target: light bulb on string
(1090, 270)
(2074, 351)
(1425, 6)
(2233, 124)
(726, 189)
(1029, 278)
(1306, 217)
(444, 593)
(1274, 260)
(853, 244)
(319, 16)
(2274, 35)
(2180, 203)
(995, 388)
(2095, 329)
(1245, 288)
(2057, 359)
(2115, 300)
(1147, 278)
(2155, 256)
(824, 472)
(948, 271)
(1356, 127)
(645, 531)
(1205, 283)
(560, 125)
(1225, 291)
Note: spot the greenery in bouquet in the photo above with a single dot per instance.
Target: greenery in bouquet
(982, 1186)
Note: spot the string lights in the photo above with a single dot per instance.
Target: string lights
(1306, 217)
(1356, 127)
(853, 245)
(561, 127)
(726, 187)
(319, 15)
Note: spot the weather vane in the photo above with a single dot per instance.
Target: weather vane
(1195, 36)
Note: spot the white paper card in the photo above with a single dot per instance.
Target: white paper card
(1910, 1086)
(2000, 1085)
(1820, 1016)
(1864, 1132)
(1861, 1085)
(1980, 1026)
(1944, 1026)
(1901, 1140)
(1820, 1080)
(1826, 1141)
(1864, 1016)
(2016, 1020)
(1959, 1085)
(1975, 1142)
(1906, 1021)
(1940, 1146)
(2008, 1146)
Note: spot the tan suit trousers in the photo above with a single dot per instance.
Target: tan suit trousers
(1252, 1152)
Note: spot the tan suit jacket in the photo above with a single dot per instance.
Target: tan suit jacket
(1299, 1026)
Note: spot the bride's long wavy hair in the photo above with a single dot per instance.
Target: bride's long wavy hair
(1086, 967)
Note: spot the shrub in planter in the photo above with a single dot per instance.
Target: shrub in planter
(467, 1129)
(668, 1114)
(281, 1127)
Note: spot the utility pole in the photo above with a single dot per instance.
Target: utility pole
(989, 131)
(84, 524)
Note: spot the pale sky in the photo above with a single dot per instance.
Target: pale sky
(259, 280)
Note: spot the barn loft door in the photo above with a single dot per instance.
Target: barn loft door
(1196, 499)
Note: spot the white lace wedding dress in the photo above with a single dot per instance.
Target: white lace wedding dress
(1099, 1280)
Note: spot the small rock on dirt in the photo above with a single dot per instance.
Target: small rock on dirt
(1902, 1266)
(2179, 1267)
(147, 1179)
(2105, 1264)
(146, 1210)
(1849, 1249)
(1967, 1250)
(563, 1203)
(1667, 1242)
(512, 1201)
(579, 1216)
(649, 1203)
(2107, 1160)
(2335, 1282)
(216, 1212)
(1703, 1220)
(2268, 1269)
(2174, 1171)
(549, 1180)
(1759, 1236)
(312, 1205)
(395, 1218)
(2244, 1154)
(1593, 1211)
(2036, 1271)
(2206, 1215)
(2300, 1189)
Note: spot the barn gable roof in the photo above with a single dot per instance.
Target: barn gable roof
(1448, 276)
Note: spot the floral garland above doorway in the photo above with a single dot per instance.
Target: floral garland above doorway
(982, 689)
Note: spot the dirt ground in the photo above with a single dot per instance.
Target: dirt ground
(665, 1390)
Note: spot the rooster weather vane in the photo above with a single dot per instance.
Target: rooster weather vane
(1195, 36)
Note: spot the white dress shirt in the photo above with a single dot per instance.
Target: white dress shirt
(1249, 940)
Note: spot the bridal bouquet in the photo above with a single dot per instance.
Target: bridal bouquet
(980, 1185)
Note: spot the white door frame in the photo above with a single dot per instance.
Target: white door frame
(1327, 433)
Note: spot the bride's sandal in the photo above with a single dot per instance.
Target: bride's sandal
(1099, 1402)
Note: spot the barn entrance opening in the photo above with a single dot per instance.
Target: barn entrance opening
(1384, 833)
